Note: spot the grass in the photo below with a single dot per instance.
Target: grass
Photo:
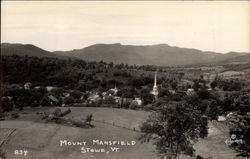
(42, 139)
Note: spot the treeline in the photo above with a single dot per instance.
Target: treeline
(74, 77)
(74, 74)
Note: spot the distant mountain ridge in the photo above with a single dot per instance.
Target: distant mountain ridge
(161, 54)
(237, 60)
(27, 49)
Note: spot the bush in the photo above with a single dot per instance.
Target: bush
(21, 97)
(45, 101)
(65, 112)
(76, 94)
(133, 105)
(7, 105)
(2, 154)
(57, 112)
(199, 157)
(14, 115)
(78, 123)
(229, 85)
(69, 100)
(37, 96)
(89, 118)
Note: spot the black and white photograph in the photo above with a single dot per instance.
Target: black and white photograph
(125, 80)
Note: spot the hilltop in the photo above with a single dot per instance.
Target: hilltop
(9, 49)
(161, 54)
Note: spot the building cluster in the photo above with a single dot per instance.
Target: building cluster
(89, 97)
(94, 96)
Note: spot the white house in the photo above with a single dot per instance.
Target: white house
(190, 91)
(27, 86)
(138, 101)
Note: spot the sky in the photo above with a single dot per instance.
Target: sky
(220, 26)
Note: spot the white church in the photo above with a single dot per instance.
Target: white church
(155, 91)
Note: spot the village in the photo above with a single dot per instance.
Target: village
(95, 98)
(54, 96)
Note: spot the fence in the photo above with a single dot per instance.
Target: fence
(117, 125)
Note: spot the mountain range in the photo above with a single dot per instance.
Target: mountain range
(9, 49)
(161, 54)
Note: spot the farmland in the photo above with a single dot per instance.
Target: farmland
(42, 140)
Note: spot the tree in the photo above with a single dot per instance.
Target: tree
(6, 104)
(229, 85)
(213, 110)
(89, 118)
(127, 92)
(163, 92)
(37, 96)
(146, 96)
(174, 127)
(228, 103)
(241, 129)
(204, 94)
(213, 84)
(57, 92)
(76, 94)
(241, 126)
(242, 103)
(196, 86)
(69, 100)
(21, 97)
(2, 154)
(174, 84)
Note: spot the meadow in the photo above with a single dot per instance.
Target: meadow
(42, 140)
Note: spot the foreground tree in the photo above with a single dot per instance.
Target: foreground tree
(175, 127)
(240, 126)
(241, 129)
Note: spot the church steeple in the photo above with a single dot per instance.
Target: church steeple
(155, 88)
(155, 81)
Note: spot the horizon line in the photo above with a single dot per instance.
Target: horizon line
(155, 44)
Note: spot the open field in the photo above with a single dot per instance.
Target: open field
(42, 140)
